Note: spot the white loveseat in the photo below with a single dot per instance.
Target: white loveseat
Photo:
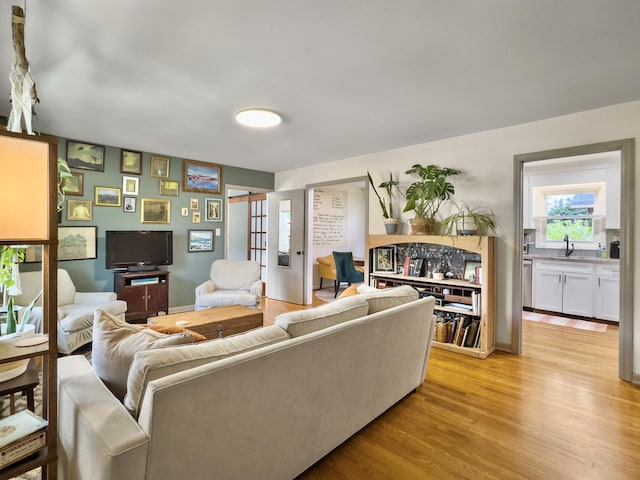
(231, 282)
(232, 409)
(75, 309)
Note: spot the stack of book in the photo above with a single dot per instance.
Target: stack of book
(21, 434)
(461, 331)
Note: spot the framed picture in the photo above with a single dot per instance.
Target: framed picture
(384, 259)
(470, 270)
(107, 196)
(212, 209)
(73, 185)
(79, 210)
(85, 156)
(74, 243)
(129, 204)
(184, 211)
(159, 166)
(201, 177)
(154, 210)
(195, 217)
(130, 185)
(200, 241)
(170, 187)
(130, 162)
(194, 203)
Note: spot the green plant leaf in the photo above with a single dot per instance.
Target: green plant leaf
(27, 312)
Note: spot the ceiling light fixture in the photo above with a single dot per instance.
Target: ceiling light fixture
(258, 118)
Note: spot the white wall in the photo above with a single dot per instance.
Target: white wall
(487, 161)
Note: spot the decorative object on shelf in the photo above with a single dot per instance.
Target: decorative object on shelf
(469, 221)
(201, 177)
(390, 221)
(384, 259)
(85, 156)
(426, 195)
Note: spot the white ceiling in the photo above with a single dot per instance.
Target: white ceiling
(350, 77)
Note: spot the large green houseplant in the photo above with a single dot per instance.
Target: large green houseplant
(386, 205)
(426, 195)
(469, 221)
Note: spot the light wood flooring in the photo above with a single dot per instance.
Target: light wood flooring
(558, 411)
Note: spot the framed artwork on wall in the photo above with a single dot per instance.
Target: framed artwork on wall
(195, 217)
(107, 196)
(85, 156)
(153, 210)
(130, 162)
(130, 185)
(212, 209)
(194, 203)
(73, 185)
(129, 204)
(201, 177)
(79, 210)
(170, 187)
(159, 166)
(74, 243)
(200, 241)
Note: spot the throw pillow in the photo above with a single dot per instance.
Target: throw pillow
(381, 299)
(169, 330)
(350, 290)
(115, 342)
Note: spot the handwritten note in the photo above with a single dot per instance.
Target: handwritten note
(329, 220)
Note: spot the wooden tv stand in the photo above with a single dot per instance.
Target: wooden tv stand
(146, 293)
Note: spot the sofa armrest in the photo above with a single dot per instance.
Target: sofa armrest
(256, 289)
(94, 298)
(97, 437)
(206, 287)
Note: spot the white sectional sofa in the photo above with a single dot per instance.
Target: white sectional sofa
(266, 404)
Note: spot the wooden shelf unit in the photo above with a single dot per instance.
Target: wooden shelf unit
(484, 246)
(144, 299)
(29, 169)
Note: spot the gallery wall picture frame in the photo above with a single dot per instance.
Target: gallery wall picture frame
(201, 177)
(160, 166)
(130, 185)
(384, 259)
(170, 188)
(107, 196)
(85, 156)
(73, 185)
(195, 217)
(129, 204)
(184, 211)
(212, 209)
(155, 210)
(74, 243)
(200, 241)
(194, 203)
(130, 162)
(79, 210)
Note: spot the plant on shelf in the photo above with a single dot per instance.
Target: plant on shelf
(426, 195)
(470, 221)
(63, 172)
(10, 256)
(390, 221)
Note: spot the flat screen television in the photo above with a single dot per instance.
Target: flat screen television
(137, 250)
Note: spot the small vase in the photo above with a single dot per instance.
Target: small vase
(391, 225)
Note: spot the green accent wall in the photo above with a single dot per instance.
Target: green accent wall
(188, 269)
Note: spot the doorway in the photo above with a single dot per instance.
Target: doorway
(625, 148)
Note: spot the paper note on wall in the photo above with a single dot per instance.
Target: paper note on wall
(329, 217)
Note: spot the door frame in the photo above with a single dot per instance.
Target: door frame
(226, 220)
(626, 147)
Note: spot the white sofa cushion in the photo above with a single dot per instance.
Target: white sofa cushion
(381, 299)
(115, 342)
(343, 309)
(151, 364)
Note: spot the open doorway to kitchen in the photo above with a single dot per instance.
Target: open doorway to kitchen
(570, 203)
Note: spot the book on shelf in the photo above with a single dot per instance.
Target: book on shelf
(407, 266)
(476, 303)
(470, 340)
(21, 435)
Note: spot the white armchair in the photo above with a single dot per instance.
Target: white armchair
(75, 309)
(232, 282)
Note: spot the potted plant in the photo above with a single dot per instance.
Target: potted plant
(390, 222)
(426, 195)
(470, 221)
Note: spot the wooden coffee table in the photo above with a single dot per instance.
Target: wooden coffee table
(214, 322)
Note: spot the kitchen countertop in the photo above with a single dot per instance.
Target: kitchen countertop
(571, 258)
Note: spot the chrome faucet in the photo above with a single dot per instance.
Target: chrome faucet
(567, 252)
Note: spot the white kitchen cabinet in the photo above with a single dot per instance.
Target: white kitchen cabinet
(564, 287)
(607, 297)
(577, 293)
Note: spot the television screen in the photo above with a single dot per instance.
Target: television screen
(138, 249)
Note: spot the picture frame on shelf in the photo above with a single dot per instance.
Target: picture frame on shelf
(155, 210)
(129, 204)
(107, 196)
(73, 185)
(81, 210)
(470, 267)
(85, 156)
(160, 166)
(130, 162)
(74, 243)
(130, 185)
(384, 259)
(200, 241)
(201, 177)
(170, 188)
(212, 209)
